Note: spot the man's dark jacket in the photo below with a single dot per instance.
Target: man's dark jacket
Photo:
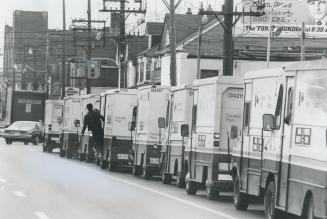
(92, 120)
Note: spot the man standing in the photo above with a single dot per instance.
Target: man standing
(92, 120)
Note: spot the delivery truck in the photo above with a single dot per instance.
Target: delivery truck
(53, 124)
(179, 112)
(281, 155)
(118, 151)
(72, 115)
(217, 112)
(24, 106)
(152, 103)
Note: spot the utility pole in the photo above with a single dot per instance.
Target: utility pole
(172, 44)
(46, 66)
(228, 39)
(302, 42)
(228, 23)
(63, 76)
(122, 42)
(89, 46)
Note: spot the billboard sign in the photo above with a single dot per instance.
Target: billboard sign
(286, 14)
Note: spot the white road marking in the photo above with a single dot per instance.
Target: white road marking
(175, 198)
(3, 180)
(41, 215)
(18, 193)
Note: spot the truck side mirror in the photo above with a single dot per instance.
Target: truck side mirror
(233, 132)
(268, 122)
(77, 123)
(185, 130)
(131, 126)
(161, 122)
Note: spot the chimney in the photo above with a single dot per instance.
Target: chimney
(209, 8)
(189, 11)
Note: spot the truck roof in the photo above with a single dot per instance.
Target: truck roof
(153, 86)
(287, 69)
(125, 91)
(181, 87)
(219, 80)
(55, 101)
(307, 65)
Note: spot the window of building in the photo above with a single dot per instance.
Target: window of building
(205, 73)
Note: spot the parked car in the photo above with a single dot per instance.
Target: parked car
(24, 131)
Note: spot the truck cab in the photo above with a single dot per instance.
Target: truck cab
(152, 104)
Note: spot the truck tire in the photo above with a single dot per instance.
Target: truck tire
(97, 161)
(241, 201)
(81, 156)
(62, 153)
(104, 164)
(166, 178)
(211, 193)
(89, 158)
(44, 146)
(180, 182)
(191, 187)
(137, 171)
(269, 202)
(147, 173)
(69, 155)
(308, 211)
(112, 166)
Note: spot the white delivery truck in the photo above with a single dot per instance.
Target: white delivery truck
(179, 112)
(282, 152)
(118, 151)
(72, 126)
(53, 124)
(217, 112)
(152, 102)
(87, 148)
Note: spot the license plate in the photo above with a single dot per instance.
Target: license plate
(154, 160)
(55, 139)
(122, 156)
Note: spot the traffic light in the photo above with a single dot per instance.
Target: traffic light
(93, 69)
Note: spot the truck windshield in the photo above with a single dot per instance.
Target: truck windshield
(312, 98)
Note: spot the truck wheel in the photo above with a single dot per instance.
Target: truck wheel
(212, 194)
(49, 149)
(269, 202)
(44, 146)
(137, 170)
(147, 173)
(62, 153)
(180, 182)
(81, 156)
(166, 178)
(112, 166)
(191, 187)
(241, 201)
(69, 155)
(36, 140)
(104, 164)
(309, 209)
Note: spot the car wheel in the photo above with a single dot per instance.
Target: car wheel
(8, 141)
(36, 140)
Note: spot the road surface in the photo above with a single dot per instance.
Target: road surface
(38, 185)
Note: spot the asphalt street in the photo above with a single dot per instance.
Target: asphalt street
(38, 185)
